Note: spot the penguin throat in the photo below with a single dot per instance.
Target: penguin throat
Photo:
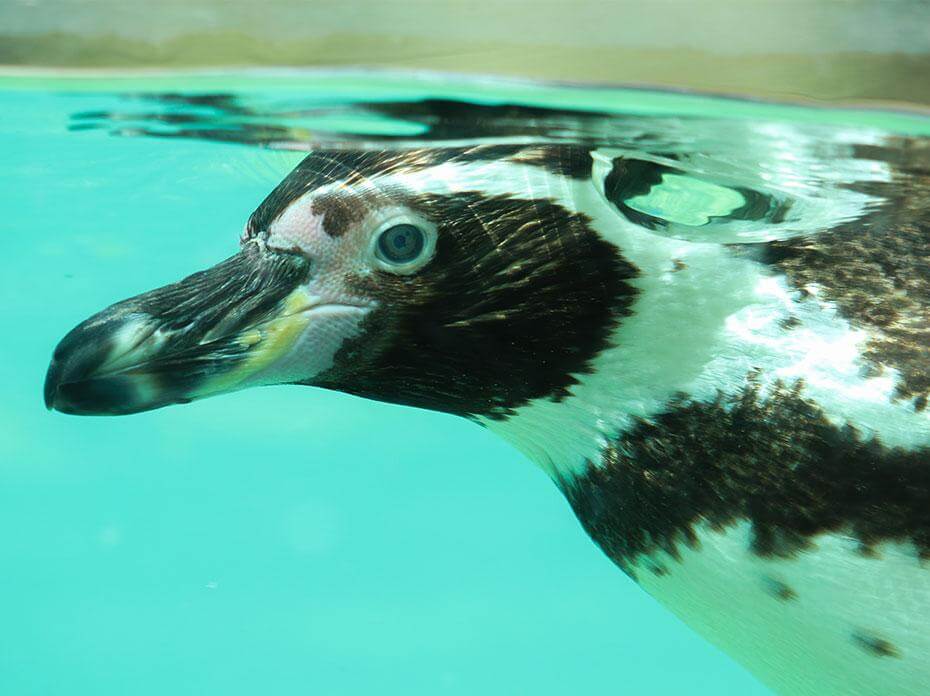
(674, 341)
(563, 438)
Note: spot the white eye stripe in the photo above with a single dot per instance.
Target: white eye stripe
(490, 177)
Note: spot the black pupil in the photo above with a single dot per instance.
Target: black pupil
(401, 243)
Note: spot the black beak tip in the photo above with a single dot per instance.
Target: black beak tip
(52, 380)
(74, 383)
(62, 384)
(72, 373)
(74, 394)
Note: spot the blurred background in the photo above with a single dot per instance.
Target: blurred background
(832, 50)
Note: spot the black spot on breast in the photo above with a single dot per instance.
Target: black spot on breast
(778, 589)
(774, 461)
(873, 645)
(877, 269)
(519, 298)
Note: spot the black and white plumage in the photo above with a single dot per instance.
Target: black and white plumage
(735, 407)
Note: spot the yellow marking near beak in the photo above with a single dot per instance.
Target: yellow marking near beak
(275, 338)
(247, 340)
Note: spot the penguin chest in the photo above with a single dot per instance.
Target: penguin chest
(788, 538)
(827, 620)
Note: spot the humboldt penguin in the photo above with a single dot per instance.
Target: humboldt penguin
(733, 402)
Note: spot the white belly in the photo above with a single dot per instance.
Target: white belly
(828, 621)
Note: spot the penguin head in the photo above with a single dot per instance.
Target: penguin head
(402, 276)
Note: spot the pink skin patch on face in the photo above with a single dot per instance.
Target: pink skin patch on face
(333, 313)
(300, 229)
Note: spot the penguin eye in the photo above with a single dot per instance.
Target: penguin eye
(401, 244)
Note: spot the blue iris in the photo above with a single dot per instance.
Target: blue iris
(401, 243)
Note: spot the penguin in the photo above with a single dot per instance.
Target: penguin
(733, 402)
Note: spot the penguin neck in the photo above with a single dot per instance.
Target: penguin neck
(673, 341)
(566, 437)
(563, 442)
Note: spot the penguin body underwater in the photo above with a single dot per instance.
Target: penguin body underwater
(733, 407)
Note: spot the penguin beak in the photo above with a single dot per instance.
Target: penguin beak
(215, 331)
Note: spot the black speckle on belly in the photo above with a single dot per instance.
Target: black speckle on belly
(774, 461)
(874, 645)
(778, 589)
(658, 569)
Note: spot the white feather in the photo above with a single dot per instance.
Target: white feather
(808, 644)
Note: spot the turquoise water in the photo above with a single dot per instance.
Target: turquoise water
(286, 539)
